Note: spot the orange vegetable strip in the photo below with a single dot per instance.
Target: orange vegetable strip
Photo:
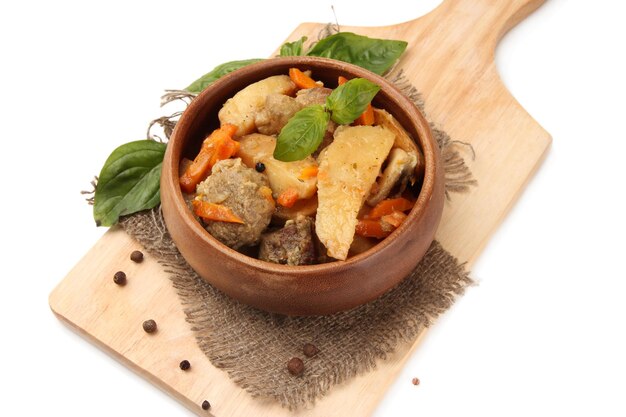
(288, 197)
(372, 228)
(395, 219)
(215, 212)
(217, 146)
(195, 171)
(308, 172)
(300, 79)
(341, 80)
(389, 205)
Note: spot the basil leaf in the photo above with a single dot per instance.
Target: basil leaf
(219, 71)
(294, 48)
(301, 136)
(129, 181)
(376, 55)
(349, 100)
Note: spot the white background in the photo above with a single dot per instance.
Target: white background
(543, 333)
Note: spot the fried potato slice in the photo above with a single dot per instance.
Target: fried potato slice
(348, 169)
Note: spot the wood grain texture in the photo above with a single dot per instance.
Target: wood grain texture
(451, 61)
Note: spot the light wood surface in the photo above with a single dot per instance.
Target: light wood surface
(450, 59)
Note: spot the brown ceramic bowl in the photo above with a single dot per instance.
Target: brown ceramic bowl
(312, 289)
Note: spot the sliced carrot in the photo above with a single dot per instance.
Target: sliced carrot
(373, 228)
(388, 206)
(367, 117)
(395, 219)
(308, 172)
(300, 79)
(217, 146)
(195, 172)
(288, 197)
(215, 212)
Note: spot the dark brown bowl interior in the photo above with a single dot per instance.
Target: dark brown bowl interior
(312, 289)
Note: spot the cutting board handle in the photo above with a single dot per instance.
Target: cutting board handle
(481, 22)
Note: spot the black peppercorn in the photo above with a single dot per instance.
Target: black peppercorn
(149, 326)
(206, 405)
(136, 256)
(259, 166)
(185, 365)
(119, 278)
(310, 350)
(295, 366)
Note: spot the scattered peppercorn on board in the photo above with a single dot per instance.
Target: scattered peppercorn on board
(450, 59)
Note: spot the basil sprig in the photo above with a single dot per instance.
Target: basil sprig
(217, 72)
(294, 48)
(304, 132)
(376, 55)
(349, 100)
(129, 181)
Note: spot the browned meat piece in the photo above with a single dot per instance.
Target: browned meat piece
(276, 113)
(291, 245)
(245, 192)
(309, 96)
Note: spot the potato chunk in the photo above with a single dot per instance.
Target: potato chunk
(348, 169)
(281, 175)
(241, 109)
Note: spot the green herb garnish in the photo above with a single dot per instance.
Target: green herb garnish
(129, 181)
(376, 55)
(304, 132)
(349, 100)
(294, 48)
(217, 72)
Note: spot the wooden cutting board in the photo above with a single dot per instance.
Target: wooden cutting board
(450, 59)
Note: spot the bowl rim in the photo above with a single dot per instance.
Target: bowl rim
(425, 141)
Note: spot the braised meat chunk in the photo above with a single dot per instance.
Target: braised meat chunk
(246, 193)
(310, 96)
(291, 245)
(274, 116)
